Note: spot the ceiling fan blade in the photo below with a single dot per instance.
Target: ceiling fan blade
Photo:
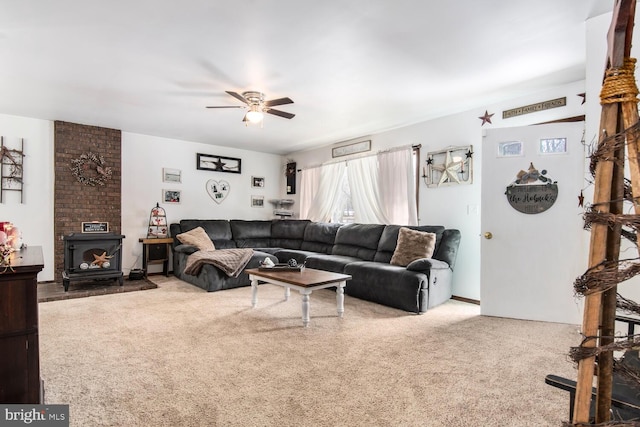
(279, 113)
(226, 106)
(237, 96)
(279, 101)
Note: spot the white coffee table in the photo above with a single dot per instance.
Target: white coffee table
(305, 282)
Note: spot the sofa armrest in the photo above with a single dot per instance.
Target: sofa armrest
(426, 264)
(186, 249)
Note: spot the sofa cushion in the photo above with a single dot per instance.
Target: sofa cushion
(284, 255)
(218, 230)
(288, 233)
(426, 265)
(389, 239)
(358, 240)
(391, 285)
(251, 234)
(198, 238)
(185, 249)
(320, 237)
(413, 245)
(335, 263)
(448, 250)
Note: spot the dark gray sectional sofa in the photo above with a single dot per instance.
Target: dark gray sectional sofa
(360, 250)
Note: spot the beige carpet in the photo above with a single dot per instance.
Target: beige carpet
(179, 356)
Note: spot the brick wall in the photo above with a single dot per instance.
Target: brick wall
(75, 202)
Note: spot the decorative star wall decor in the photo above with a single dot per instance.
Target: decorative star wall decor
(451, 166)
(584, 97)
(486, 118)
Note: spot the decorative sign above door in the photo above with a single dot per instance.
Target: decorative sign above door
(532, 192)
(451, 166)
(540, 106)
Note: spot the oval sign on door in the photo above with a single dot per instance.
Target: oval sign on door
(532, 199)
(532, 192)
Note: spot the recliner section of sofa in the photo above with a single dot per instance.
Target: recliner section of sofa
(363, 251)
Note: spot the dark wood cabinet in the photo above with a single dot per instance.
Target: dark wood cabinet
(156, 251)
(19, 350)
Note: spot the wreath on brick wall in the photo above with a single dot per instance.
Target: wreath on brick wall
(90, 169)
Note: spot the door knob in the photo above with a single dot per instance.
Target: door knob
(488, 235)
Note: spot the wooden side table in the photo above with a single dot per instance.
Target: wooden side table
(156, 251)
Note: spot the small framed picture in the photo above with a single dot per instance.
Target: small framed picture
(171, 196)
(171, 175)
(257, 201)
(257, 181)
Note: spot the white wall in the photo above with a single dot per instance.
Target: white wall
(458, 206)
(34, 217)
(144, 157)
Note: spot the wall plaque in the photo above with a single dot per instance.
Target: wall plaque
(356, 147)
(95, 227)
(540, 106)
(532, 192)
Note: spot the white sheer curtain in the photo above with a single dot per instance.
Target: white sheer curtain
(328, 194)
(397, 187)
(309, 184)
(381, 189)
(365, 191)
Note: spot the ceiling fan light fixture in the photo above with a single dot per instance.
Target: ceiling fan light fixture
(254, 115)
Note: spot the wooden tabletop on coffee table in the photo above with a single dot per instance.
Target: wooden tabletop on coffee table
(304, 281)
(304, 278)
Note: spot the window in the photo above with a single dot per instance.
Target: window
(371, 189)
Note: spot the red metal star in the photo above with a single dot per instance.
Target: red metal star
(581, 199)
(486, 118)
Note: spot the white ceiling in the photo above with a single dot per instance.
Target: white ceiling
(352, 67)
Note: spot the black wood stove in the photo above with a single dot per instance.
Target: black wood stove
(92, 256)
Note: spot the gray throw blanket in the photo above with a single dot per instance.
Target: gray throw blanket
(231, 261)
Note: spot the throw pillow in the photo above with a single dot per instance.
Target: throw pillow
(198, 238)
(413, 245)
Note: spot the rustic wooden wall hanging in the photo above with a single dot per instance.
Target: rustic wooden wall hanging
(11, 169)
(451, 166)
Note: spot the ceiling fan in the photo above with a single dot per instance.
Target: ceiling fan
(257, 105)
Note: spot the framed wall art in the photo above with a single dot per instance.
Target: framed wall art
(356, 147)
(171, 196)
(257, 181)
(214, 163)
(451, 166)
(171, 175)
(218, 190)
(257, 201)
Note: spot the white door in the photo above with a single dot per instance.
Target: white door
(530, 261)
